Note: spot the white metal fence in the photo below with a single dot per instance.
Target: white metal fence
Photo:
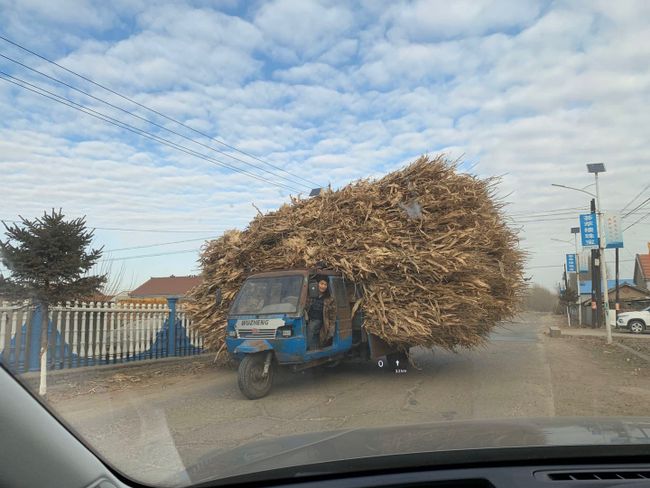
(90, 333)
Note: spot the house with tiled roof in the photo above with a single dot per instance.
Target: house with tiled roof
(642, 270)
(168, 286)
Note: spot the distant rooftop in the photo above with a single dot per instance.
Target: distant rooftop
(585, 286)
(166, 286)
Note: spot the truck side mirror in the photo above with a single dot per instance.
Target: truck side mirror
(313, 289)
(217, 297)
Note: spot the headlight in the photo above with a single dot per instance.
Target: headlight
(286, 332)
(232, 333)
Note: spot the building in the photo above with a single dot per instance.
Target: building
(631, 298)
(169, 286)
(642, 270)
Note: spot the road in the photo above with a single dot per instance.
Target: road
(156, 425)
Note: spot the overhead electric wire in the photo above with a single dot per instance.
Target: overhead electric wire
(637, 221)
(122, 229)
(640, 205)
(140, 256)
(130, 128)
(635, 197)
(151, 121)
(144, 246)
(171, 119)
(561, 265)
(551, 210)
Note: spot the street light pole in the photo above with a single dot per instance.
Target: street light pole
(595, 169)
(575, 231)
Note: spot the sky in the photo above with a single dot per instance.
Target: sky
(317, 93)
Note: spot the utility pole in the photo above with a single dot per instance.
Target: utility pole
(575, 231)
(596, 168)
(566, 292)
(596, 297)
(618, 306)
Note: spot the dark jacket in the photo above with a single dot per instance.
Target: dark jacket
(329, 320)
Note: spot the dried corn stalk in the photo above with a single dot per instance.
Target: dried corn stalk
(429, 246)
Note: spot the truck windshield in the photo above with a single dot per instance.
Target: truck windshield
(279, 294)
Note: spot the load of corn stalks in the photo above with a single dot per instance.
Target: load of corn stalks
(427, 245)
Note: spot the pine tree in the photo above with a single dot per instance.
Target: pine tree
(49, 259)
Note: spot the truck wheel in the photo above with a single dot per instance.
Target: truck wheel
(397, 360)
(636, 326)
(251, 379)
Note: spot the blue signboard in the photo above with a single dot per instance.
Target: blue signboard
(589, 230)
(571, 263)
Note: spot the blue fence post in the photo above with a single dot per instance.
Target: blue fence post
(171, 335)
(35, 340)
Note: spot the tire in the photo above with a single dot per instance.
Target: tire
(397, 360)
(636, 326)
(250, 380)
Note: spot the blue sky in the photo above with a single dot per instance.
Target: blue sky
(329, 92)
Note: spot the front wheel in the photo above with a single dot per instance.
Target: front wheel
(636, 326)
(254, 382)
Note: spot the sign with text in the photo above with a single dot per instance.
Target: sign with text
(585, 258)
(589, 230)
(613, 230)
(571, 263)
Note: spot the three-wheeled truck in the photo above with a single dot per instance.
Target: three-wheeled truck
(267, 327)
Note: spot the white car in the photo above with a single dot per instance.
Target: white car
(637, 322)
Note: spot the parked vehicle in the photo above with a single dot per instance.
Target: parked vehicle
(267, 327)
(636, 322)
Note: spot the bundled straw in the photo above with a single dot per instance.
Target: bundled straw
(428, 246)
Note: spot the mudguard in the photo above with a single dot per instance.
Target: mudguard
(251, 346)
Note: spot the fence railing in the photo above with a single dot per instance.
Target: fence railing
(93, 333)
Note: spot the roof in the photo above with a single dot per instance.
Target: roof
(166, 286)
(585, 286)
(643, 261)
(612, 290)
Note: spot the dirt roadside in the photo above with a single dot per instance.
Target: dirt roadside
(591, 378)
(66, 385)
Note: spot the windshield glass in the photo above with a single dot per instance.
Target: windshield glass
(269, 295)
(465, 183)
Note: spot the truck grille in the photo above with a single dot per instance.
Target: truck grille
(256, 333)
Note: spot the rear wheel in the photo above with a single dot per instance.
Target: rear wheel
(397, 360)
(636, 326)
(252, 380)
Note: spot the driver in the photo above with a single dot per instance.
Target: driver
(320, 327)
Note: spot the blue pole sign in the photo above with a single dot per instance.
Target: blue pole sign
(571, 263)
(589, 230)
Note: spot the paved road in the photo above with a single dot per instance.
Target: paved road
(157, 428)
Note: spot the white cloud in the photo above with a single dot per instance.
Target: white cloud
(303, 30)
(530, 90)
(434, 20)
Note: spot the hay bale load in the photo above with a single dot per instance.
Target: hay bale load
(429, 247)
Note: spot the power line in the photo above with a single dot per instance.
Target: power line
(551, 210)
(562, 266)
(150, 121)
(141, 256)
(123, 125)
(159, 244)
(635, 197)
(122, 229)
(637, 221)
(171, 119)
(642, 204)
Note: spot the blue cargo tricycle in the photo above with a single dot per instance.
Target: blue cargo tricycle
(268, 323)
